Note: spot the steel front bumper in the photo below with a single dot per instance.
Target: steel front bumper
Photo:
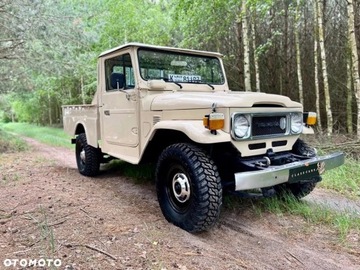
(289, 173)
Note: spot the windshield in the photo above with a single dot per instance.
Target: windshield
(179, 67)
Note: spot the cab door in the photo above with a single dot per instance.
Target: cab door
(118, 108)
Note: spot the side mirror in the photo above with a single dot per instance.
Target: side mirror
(156, 84)
(117, 80)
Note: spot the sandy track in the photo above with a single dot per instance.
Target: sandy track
(48, 210)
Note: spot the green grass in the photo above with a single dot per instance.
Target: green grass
(9, 143)
(345, 179)
(47, 135)
(342, 222)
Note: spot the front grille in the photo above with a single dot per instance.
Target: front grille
(268, 125)
(279, 143)
(256, 146)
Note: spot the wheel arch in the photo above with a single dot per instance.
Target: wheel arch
(79, 129)
(92, 138)
(166, 133)
(193, 129)
(161, 139)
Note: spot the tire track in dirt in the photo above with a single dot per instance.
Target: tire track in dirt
(334, 201)
(116, 215)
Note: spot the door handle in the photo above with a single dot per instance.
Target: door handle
(107, 112)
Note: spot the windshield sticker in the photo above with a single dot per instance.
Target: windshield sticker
(184, 78)
(178, 63)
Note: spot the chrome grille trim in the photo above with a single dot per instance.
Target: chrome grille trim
(264, 134)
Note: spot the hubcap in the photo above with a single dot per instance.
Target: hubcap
(181, 187)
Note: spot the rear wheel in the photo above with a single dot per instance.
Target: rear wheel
(188, 187)
(87, 156)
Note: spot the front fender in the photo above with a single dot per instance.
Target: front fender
(308, 130)
(194, 130)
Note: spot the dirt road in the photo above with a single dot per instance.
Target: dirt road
(49, 211)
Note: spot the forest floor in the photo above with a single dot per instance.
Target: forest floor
(49, 211)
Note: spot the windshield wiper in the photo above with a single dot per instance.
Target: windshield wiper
(167, 80)
(178, 84)
(208, 84)
(211, 86)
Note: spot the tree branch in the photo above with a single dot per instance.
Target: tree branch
(92, 248)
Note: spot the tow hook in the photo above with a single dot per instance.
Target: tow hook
(264, 163)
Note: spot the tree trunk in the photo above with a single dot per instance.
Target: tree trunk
(286, 52)
(49, 105)
(238, 53)
(355, 60)
(82, 89)
(349, 99)
(329, 117)
(245, 29)
(316, 68)
(298, 53)
(256, 56)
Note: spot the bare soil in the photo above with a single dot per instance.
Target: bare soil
(48, 210)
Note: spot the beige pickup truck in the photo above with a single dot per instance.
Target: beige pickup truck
(173, 107)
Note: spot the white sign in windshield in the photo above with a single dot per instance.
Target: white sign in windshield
(178, 63)
(184, 78)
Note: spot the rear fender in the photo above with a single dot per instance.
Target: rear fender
(91, 135)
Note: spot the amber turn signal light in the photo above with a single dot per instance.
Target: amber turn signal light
(214, 121)
(310, 118)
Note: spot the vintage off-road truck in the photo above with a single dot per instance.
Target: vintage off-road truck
(173, 107)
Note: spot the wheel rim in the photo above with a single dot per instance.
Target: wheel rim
(181, 187)
(178, 188)
(82, 156)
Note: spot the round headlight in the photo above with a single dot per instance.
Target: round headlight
(241, 126)
(296, 123)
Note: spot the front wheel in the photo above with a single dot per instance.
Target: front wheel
(301, 189)
(297, 190)
(188, 187)
(87, 156)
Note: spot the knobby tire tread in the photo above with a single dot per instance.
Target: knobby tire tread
(92, 164)
(205, 208)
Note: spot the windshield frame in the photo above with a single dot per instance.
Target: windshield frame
(215, 63)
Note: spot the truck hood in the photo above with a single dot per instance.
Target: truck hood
(201, 100)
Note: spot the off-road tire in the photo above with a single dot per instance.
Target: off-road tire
(184, 168)
(302, 148)
(298, 190)
(87, 156)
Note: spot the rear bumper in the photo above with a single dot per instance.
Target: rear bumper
(288, 173)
